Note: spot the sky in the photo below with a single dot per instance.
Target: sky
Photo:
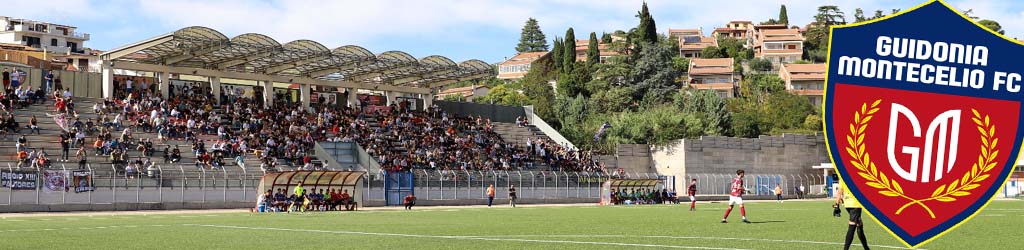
(458, 29)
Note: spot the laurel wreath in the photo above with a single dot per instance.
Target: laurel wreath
(891, 188)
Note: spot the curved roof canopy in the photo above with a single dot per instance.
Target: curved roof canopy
(206, 48)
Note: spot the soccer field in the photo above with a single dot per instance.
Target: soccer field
(791, 225)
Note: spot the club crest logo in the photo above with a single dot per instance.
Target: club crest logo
(921, 116)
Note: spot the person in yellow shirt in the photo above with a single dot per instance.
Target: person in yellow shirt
(854, 209)
(300, 201)
(778, 193)
(490, 195)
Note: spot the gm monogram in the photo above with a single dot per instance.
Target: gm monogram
(943, 160)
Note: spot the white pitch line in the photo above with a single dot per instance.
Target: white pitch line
(688, 237)
(462, 237)
(80, 228)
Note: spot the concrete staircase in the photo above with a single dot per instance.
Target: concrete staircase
(510, 132)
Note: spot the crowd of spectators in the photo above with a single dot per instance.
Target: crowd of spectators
(643, 196)
(400, 138)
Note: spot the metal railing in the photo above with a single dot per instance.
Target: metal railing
(720, 184)
(57, 185)
(536, 121)
(466, 184)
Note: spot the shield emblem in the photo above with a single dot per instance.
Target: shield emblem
(921, 117)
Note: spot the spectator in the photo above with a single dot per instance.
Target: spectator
(512, 195)
(490, 195)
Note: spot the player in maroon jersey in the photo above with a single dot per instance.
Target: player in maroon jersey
(692, 191)
(736, 197)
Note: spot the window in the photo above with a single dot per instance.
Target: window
(31, 41)
(53, 42)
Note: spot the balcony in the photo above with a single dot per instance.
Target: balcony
(55, 32)
(56, 49)
(80, 36)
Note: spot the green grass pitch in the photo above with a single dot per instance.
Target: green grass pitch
(791, 225)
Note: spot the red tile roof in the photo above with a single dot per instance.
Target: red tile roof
(704, 43)
(524, 58)
(771, 35)
(701, 66)
(805, 72)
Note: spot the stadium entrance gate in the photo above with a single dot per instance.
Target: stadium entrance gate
(396, 186)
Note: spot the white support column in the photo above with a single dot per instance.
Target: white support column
(164, 84)
(304, 95)
(268, 93)
(215, 89)
(353, 100)
(392, 97)
(108, 79)
(428, 100)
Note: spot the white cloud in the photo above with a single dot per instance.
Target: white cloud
(55, 11)
(430, 26)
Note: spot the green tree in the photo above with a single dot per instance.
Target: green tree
(878, 14)
(734, 48)
(812, 122)
(993, 26)
(569, 51)
(606, 38)
(611, 100)
(858, 16)
(758, 64)
(648, 32)
(593, 53)
(709, 108)
(574, 83)
(505, 94)
(653, 72)
(615, 72)
(756, 87)
(556, 54)
(783, 15)
(712, 52)
(746, 124)
(455, 98)
(532, 38)
(656, 125)
(537, 89)
(785, 110)
(816, 42)
(681, 64)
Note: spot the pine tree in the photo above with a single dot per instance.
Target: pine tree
(556, 54)
(532, 38)
(783, 15)
(593, 52)
(647, 28)
(606, 38)
(858, 16)
(569, 51)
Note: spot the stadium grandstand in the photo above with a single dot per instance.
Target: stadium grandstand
(195, 107)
